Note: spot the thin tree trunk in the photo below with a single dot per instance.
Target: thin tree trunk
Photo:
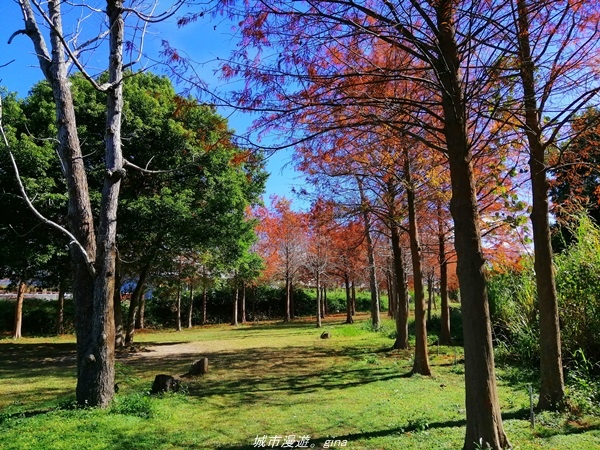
(191, 305)
(178, 305)
(288, 297)
(324, 301)
(421, 362)
(139, 318)
(118, 313)
(391, 294)
(429, 295)
(234, 313)
(552, 389)
(353, 298)
(375, 316)
(134, 304)
(318, 290)
(445, 336)
(60, 314)
(204, 305)
(484, 421)
(18, 323)
(402, 303)
(349, 318)
(243, 311)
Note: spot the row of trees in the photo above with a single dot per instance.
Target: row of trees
(459, 83)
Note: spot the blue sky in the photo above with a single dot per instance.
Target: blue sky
(204, 41)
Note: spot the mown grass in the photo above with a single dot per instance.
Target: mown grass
(266, 379)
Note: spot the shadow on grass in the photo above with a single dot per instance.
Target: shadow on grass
(252, 376)
(28, 360)
(319, 442)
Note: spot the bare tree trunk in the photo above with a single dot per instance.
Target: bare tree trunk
(421, 362)
(139, 318)
(353, 299)
(552, 389)
(375, 316)
(191, 305)
(288, 297)
(318, 290)
(18, 323)
(204, 305)
(234, 313)
(118, 312)
(430, 301)
(445, 336)
(349, 318)
(391, 293)
(402, 303)
(324, 301)
(60, 313)
(178, 305)
(243, 305)
(484, 421)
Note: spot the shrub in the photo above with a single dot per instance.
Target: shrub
(578, 284)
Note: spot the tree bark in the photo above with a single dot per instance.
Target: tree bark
(191, 305)
(178, 304)
(60, 314)
(552, 389)
(349, 318)
(375, 316)
(484, 422)
(243, 304)
(402, 312)
(288, 297)
(234, 313)
(204, 305)
(421, 362)
(318, 290)
(18, 323)
(119, 328)
(445, 336)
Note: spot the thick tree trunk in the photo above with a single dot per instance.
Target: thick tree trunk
(18, 322)
(349, 318)
(402, 303)
(552, 390)
(484, 422)
(445, 336)
(421, 362)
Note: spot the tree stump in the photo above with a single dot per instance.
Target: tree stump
(199, 367)
(325, 335)
(164, 383)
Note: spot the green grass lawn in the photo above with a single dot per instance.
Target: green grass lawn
(267, 379)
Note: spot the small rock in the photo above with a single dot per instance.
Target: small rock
(325, 335)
